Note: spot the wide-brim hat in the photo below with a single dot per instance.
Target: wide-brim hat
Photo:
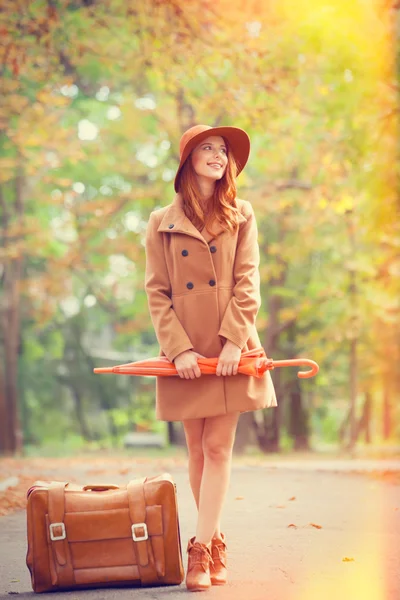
(238, 141)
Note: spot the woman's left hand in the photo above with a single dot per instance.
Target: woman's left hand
(228, 359)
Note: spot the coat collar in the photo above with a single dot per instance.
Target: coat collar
(174, 215)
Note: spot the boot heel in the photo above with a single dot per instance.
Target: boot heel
(218, 568)
(198, 571)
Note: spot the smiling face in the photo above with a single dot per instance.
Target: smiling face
(210, 158)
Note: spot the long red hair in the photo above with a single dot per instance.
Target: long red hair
(221, 207)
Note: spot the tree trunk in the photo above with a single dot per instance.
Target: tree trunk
(387, 413)
(367, 416)
(364, 424)
(298, 418)
(244, 433)
(268, 430)
(172, 437)
(353, 393)
(24, 410)
(178, 434)
(10, 324)
(343, 429)
(353, 367)
(299, 426)
(4, 442)
(11, 331)
(79, 410)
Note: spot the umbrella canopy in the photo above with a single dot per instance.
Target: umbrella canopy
(253, 362)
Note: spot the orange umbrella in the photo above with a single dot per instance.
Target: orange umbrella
(253, 362)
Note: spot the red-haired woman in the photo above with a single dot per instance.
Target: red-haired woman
(203, 288)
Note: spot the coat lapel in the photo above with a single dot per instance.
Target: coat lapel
(174, 215)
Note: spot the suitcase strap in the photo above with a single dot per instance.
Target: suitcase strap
(142, 545)
(59, 542)
(57, 535)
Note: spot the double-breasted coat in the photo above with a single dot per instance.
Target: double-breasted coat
(201, 291)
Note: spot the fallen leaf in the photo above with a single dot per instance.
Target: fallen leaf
(347, 559)
(390, 476)
(75, 469)
(292, 525)
(239, 498)
(280, 506)
(292, 498)
(14, 498)
(315, 525)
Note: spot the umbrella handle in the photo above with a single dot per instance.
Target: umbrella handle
(298, 362)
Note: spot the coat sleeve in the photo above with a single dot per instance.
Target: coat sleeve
(169, 331)
(241, 312)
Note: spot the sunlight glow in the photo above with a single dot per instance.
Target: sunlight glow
(78, 187)
(103, 93)
(120, 265)
(70, 306)
(146, 103)
(90, 301)
(87, 131)
(71, 91)
(113, 113)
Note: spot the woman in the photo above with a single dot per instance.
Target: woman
(203, 287)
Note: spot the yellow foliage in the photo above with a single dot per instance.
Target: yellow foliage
(345, 203)
(274, 249)
(287, 314)
(7, 163)
(312, 83)
(15, 103)
(322, 203)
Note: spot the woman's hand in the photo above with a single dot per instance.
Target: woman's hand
(186, 364)
(228, 359)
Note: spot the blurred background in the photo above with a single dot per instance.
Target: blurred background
(94, 98)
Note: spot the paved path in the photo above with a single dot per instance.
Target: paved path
(275, 553)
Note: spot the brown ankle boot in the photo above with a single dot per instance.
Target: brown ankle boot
(218, 570)
(198, 571)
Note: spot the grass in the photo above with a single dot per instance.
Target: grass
(73, 447)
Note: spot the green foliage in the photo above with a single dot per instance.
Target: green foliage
(93, 120)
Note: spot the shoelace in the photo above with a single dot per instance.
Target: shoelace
(198, 556)
(218, 549)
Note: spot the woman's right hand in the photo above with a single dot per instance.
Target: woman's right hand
(186, 364)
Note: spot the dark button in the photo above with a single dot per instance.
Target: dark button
(213, 249)
(211, 282)
(171, 226)
(185, 252)
(190, 285)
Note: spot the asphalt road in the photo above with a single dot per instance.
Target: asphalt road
(301, 531)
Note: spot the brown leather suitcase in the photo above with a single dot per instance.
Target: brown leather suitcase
(103, 535)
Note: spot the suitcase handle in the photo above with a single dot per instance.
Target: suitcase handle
(100, 487)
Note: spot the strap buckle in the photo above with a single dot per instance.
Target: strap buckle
(54, 537)
(140, 538)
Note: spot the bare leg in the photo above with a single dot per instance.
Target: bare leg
(218, 438)
(194, 440)
(194, 435)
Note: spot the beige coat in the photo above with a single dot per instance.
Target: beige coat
(202, 290)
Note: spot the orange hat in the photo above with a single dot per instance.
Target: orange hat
(238, 140)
